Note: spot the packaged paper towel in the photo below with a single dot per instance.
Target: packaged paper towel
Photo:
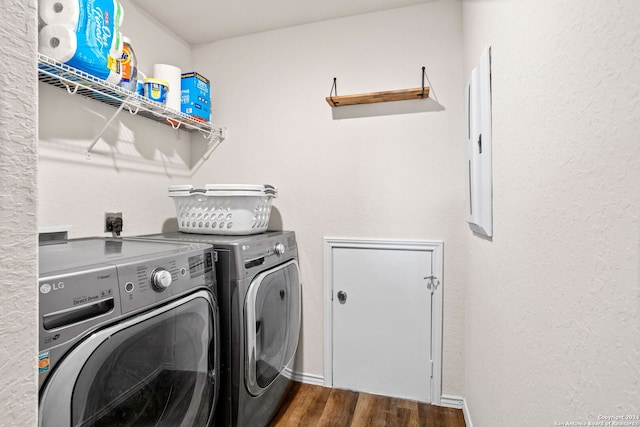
(172, 75)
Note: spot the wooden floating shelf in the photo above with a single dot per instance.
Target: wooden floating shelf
(374, 97)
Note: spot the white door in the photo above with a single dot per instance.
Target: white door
(382, 320)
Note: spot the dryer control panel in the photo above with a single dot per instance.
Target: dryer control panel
(268, 252)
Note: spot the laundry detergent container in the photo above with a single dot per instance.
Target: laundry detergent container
(236, 209)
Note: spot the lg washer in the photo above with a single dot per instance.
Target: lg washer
(129, 333)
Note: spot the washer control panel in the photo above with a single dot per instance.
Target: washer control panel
(144, 284)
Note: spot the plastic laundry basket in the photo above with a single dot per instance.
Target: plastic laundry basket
(223, 208)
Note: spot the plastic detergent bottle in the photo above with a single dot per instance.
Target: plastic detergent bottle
(129, 67)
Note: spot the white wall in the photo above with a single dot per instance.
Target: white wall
(18, 197)
(133, 163)
(553, 302)
(393, 176)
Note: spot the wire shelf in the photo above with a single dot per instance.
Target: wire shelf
(75, 81)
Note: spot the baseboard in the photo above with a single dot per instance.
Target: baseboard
(465, 411)
(457, 403)
(302, 377)
(452, 401)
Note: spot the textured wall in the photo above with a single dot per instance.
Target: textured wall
(390, 176)
(553, 302)
(18, 264)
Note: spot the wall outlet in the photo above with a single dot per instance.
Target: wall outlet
(113, 222)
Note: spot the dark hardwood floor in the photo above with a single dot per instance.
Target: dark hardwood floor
(310, 405)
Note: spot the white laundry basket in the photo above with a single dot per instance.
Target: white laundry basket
(223, 208)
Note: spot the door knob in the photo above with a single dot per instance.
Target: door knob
(342, 297)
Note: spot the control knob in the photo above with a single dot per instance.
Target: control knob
(160, 279)
(279, 249)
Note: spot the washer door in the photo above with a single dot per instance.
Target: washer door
(156, 369)
(272, 325)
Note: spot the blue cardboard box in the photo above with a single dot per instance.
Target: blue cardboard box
(196, 96)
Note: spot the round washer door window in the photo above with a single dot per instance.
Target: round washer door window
(156, 369)
(272, 315)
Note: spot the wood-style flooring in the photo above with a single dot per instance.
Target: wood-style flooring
(310, 405)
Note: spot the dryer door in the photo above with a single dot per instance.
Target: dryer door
(272, 325)
(158, 368)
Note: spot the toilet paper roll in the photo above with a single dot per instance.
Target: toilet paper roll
(60, 12)
(57, 42)
(173, 76)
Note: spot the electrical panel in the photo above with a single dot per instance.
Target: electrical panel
(478, 135)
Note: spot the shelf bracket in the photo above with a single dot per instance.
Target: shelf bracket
(334, 90)
(132, 112)
(215, 140)
(97, 138)
(431, 90)
(217, 133)
(69, 90)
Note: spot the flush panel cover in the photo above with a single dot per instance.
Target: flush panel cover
(478, 135)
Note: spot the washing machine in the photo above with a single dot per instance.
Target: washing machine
(259, 294)
(129, 333)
